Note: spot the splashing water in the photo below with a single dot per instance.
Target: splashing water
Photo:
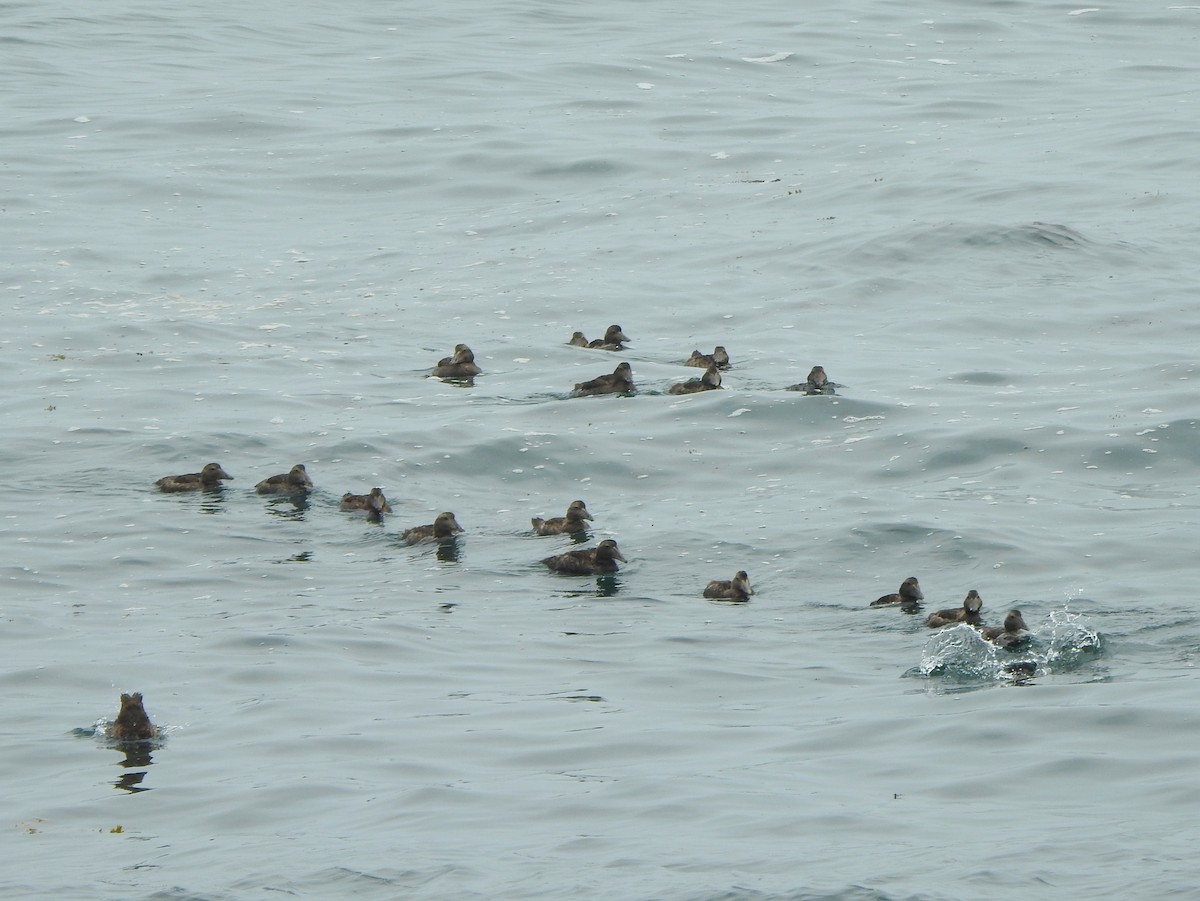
(960, 655)
(1069, 641)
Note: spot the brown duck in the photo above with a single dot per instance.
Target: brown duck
(816, 383)
(1012, 633)
(719, 358)
(576, 520)
(908, 598)
(132, 722)
(443, 528)
(373, 504)
(591, 561)
(735, 589)
(619, 382)
(207, 479)
(707, 382)
(294, 481)
(459, 365)
(968, 613)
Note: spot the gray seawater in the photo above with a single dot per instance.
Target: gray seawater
(244, 234)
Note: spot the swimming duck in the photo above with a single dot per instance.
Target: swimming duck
(1010, 635)
(132, 722)
(620, 382)
(576, 520)
(908, 597)
(374, 503)
(735, 589)
(968, 613)
(719, 357)
(613, 339)
(707, 382)
(294, 481)
(207, 479)
(592, 561)
(461, 365)
(816, 383)
(443, 527)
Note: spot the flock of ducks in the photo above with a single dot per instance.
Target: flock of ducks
(295, 483)
(908, 598)
(604, 558)
(600, 560)
(133, 724)
(461, 367)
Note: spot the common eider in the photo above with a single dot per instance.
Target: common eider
(460, 365)
(735, 589)
(613, 339)
(576, 520)
(908, 597)
(132, 722)
(968, 613)
(373, 504)
(719, 357)
(619, 382)
(816, 383)
(443, 527)
(1012, 633)
(207, 479)
(707, 382)
(591, 561)
(294, 481)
